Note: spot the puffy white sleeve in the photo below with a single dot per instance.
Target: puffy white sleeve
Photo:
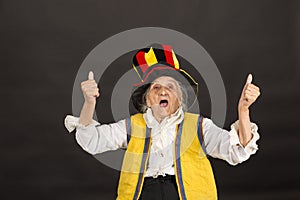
(96, 138)
(225, 145)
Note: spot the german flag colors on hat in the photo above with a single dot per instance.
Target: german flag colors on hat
(155, 61)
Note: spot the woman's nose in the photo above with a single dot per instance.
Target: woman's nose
(163, 91)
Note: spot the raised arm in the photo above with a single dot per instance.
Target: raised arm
(90, 135)
(90, 92)
(238, 144)
(249, 95)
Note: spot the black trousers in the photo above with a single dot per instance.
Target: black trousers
(160, 188)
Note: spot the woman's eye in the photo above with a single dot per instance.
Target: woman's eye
(171, 87)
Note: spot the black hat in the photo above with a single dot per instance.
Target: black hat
(155, 61)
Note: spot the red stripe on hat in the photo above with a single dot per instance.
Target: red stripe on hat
(152, 70)
(140, 56)
(168, 54)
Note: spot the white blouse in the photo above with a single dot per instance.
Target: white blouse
(219, 143)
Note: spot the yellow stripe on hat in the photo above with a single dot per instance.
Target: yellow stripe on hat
(150, 57)
(137, 72)
(176, 63)
(194, 81)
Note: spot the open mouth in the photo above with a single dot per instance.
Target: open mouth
(163, 103)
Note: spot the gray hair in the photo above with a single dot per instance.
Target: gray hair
(183, 97)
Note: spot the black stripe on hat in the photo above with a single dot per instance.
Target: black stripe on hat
(159, 53)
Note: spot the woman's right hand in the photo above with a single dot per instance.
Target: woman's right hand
(90, 89)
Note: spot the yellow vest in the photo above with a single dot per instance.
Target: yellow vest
(194, 175)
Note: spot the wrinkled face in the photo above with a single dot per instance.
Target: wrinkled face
(164, 96)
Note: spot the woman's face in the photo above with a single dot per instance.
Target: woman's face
(164, 96)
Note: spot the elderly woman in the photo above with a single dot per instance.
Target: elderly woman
(166, 147)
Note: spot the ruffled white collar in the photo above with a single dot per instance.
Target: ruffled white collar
(161, 138)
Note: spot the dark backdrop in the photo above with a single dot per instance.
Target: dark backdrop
(43, 44)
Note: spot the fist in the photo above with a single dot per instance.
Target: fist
(249, 94)
(90, 89)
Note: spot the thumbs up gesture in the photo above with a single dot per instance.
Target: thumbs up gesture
(90, 89)
(249, 94)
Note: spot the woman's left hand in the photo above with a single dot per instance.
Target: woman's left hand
(249, 94)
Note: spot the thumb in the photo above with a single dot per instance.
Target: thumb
(249, 79)
(91, 75)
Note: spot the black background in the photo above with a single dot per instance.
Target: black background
(43, 44)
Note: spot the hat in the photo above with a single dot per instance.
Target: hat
(155, 61)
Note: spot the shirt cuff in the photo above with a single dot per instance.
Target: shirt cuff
(72, 123)
(251, 147)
